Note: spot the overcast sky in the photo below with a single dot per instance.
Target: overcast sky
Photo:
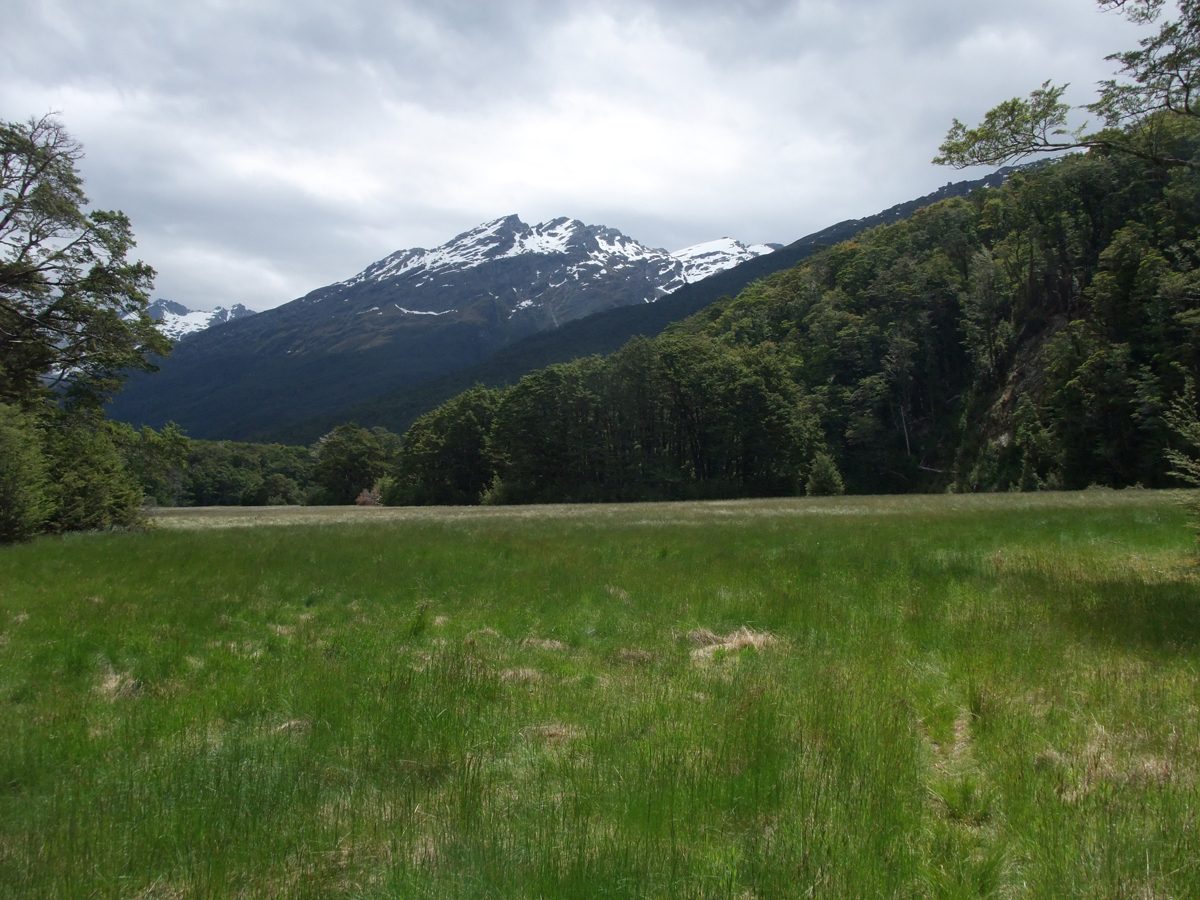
(263, 148)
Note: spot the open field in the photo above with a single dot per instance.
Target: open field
(906, 697)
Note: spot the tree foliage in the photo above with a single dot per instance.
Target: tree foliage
(446, 458)
(72, 308)
(824, 479)
(1144, 112)
(24, 505)
(1184, 422)
(226, 473)
(90, 485)
(349, 460)
(682, 416)
(73, 323)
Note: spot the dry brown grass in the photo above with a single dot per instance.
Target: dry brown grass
(545, 644)
(674, 513)
(709, 642)
(553, 733)
(521, 676)
(634, 656)
(116, 685)
(1113, 759)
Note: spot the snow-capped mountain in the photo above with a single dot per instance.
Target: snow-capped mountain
(419, 314)
(509, 237)
(176, 321)
(568, 259)
(413, 315)
(711, 257)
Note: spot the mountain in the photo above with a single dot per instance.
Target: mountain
(705, 260)
(604, 332)
(413, 315)
(176, 321)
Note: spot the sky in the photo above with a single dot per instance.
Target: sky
(264, 148)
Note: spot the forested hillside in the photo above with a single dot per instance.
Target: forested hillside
(1025, 337)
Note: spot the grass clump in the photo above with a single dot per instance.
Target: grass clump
(928, 697)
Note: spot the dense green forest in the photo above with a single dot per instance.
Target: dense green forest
(1027, 337)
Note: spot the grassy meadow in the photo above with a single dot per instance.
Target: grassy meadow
(944, 697)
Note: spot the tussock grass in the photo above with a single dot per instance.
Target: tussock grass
(845, 697)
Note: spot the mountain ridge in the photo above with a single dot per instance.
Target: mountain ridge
(605, 332)
(412, 315)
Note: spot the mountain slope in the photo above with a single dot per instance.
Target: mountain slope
(602, 333)
(412, 315)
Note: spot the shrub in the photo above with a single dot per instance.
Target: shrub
(824, 479)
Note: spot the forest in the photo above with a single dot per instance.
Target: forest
(1029, 337)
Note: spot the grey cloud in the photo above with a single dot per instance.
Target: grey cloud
(266, 148)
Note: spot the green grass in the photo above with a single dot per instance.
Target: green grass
(933, 697)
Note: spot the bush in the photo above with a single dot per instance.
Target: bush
(824, 479)
(24, 505)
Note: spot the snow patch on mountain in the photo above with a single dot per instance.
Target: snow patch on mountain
(176, 321)
(594, 251)
(702, 260)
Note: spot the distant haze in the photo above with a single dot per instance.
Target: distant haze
(263, 149)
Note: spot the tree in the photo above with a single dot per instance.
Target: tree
(824, 479)
(1143, 115)
(349, 459)
(446, 457)
(90, 485)
(72, 308)
(1183, 421)
(23, 503)
(155, 459)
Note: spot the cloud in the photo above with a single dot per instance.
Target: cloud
(263, 149)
